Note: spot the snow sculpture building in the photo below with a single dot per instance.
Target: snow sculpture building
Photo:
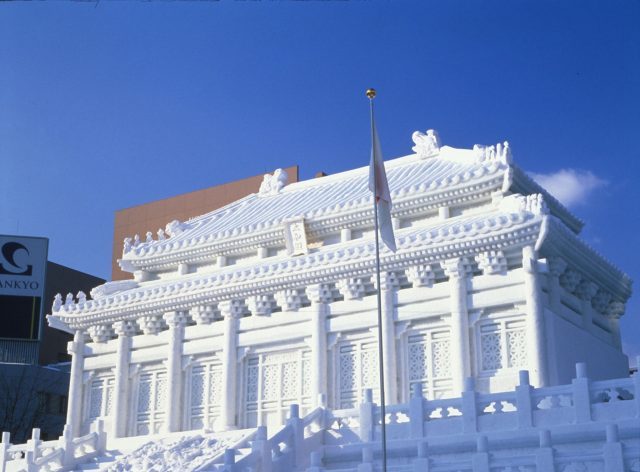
(233, 316)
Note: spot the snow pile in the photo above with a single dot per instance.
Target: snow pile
(185, 453)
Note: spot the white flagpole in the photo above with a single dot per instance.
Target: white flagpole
(371, 93)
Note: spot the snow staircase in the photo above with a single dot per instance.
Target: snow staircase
(184, 451)
(101, 462)
(288, 450)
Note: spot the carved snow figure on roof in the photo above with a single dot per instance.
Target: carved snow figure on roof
(57, 303)
(175, 227)
(272, 184)
(501, 152)
(127, 245)
(426, 145)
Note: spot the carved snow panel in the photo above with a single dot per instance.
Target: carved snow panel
(150, 402)
(205, 394)
(428, 362)
(273, 381)
(100, 397)
(503, 345)
(516, 346)
(491, 350)
(358, 369)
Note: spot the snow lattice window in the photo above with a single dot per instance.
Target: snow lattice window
(205, 396)
(429, 362)
(273, 381)
(503, 344)
(357, 370)
(151, 401)
(100, 397)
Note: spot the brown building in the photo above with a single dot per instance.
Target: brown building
(154, 215)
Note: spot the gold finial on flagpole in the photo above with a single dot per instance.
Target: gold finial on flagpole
(371, 93)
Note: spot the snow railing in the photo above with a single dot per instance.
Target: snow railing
(285, 451)
(430, 425)
(537, 453)
(525, 407)
(59, 455)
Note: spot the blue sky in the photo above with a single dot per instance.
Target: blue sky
(107, 106)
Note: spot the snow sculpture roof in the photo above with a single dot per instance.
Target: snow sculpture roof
(499, 207)
(455, 175)
(452, 236)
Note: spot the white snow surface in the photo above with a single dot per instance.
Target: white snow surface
(185, 453)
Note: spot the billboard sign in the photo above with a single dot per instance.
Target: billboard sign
(23, 263)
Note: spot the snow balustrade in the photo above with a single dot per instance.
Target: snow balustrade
(60, 455)
(474, 424)
(525, 417)
(285, 451)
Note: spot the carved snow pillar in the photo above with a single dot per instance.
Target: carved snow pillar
(585, 291)
(320, 296)
(176, 320)
(457, 270)
(125, 330)
(557, 266)
(614, 312)
(74, 411)
(536, 335)
(389, 286)
(231, 310)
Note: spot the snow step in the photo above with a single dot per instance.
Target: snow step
(100, 462)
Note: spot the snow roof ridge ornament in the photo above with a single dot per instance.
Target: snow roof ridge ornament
(426, 145)
(175, 227)
(272, 184)
(501, 153)
(517, 203)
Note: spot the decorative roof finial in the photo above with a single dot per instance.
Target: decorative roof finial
(272, 184)
(426, 145)
(57, 303)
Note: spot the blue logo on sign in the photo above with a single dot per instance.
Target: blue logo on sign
(10, 266)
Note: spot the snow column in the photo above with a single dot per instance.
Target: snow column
(556, 266)
(231, 310)
(457, 272)
(536, 339)
(320, 296)
(176, 320)
(125, 330)
(389, 286)
(74, 412)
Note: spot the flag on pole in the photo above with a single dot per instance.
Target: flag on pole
(380, 188)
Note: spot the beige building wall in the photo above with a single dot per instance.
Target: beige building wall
(154, 215)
